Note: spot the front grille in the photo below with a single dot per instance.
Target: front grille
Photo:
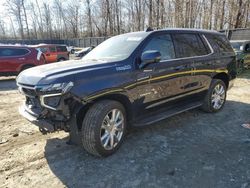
(28, 92)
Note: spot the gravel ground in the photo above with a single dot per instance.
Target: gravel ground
(193, 149)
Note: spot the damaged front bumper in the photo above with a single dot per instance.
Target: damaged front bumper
(44, 125)
(50, 112)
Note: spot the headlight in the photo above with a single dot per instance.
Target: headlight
(57, 88)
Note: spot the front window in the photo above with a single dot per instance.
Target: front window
(116, 48)
(162, 43)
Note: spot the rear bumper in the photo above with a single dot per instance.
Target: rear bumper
(42, 124)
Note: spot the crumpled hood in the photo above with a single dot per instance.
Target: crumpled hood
(45, 74)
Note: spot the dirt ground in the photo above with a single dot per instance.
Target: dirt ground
(193, 149)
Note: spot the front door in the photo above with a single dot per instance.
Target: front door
(165, 80)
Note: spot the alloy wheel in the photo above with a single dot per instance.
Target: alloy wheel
(218, 96)
(112, 129)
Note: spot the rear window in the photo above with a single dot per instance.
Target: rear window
(13, 52)
(52, 49)
(61, 48)
(188, 45)
(219, 43)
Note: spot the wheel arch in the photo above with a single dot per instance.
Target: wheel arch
(224, 77)
(22, 67)
(121, 98)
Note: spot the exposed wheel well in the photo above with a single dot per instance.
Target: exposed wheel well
(26, 67)
(115, 97)
(224, 77)
(61, 59)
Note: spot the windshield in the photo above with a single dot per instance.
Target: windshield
(116, 48)
(236, 45)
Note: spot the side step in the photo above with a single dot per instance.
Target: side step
(155, 117)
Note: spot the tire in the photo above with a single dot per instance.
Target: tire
(211, 98)
(61, 59)
(98, 125)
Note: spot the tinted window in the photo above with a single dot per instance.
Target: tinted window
(219, 43)
(52, 49)
(13, 51)
(163, 44)
(188, 45)
(43, 49)
(61, 48)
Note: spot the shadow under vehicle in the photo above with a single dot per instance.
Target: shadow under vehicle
(193, 149)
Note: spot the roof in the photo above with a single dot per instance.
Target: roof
(44, 45)
(177, 30)
(191, 30)
(13, 46)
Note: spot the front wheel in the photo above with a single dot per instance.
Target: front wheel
(215, 97)
(104, 128)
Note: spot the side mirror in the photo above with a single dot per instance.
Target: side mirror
(148, 57)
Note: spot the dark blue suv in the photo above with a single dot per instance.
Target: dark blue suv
(133, 79)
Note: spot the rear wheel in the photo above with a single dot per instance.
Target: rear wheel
(61, 59)
(215, 97)
(104, 128)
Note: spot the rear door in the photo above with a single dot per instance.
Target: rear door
(62, 52)
(50, 54)
(190, 51)
(12, 59)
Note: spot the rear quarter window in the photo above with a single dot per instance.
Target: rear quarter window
(188, 45)
(220, 43)
(61, 49)
(8, 52)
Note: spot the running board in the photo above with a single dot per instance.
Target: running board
(165, 114)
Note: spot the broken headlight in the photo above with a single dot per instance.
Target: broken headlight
(51, 94)
(57, 88)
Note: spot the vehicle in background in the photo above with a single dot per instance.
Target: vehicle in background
(14, 59)
(83, 52)
(73, 49)
(54, 52)
(242, 50)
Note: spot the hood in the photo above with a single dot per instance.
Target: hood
(47, 74)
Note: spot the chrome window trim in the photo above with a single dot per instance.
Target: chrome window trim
(29, 52)
(183, 58)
